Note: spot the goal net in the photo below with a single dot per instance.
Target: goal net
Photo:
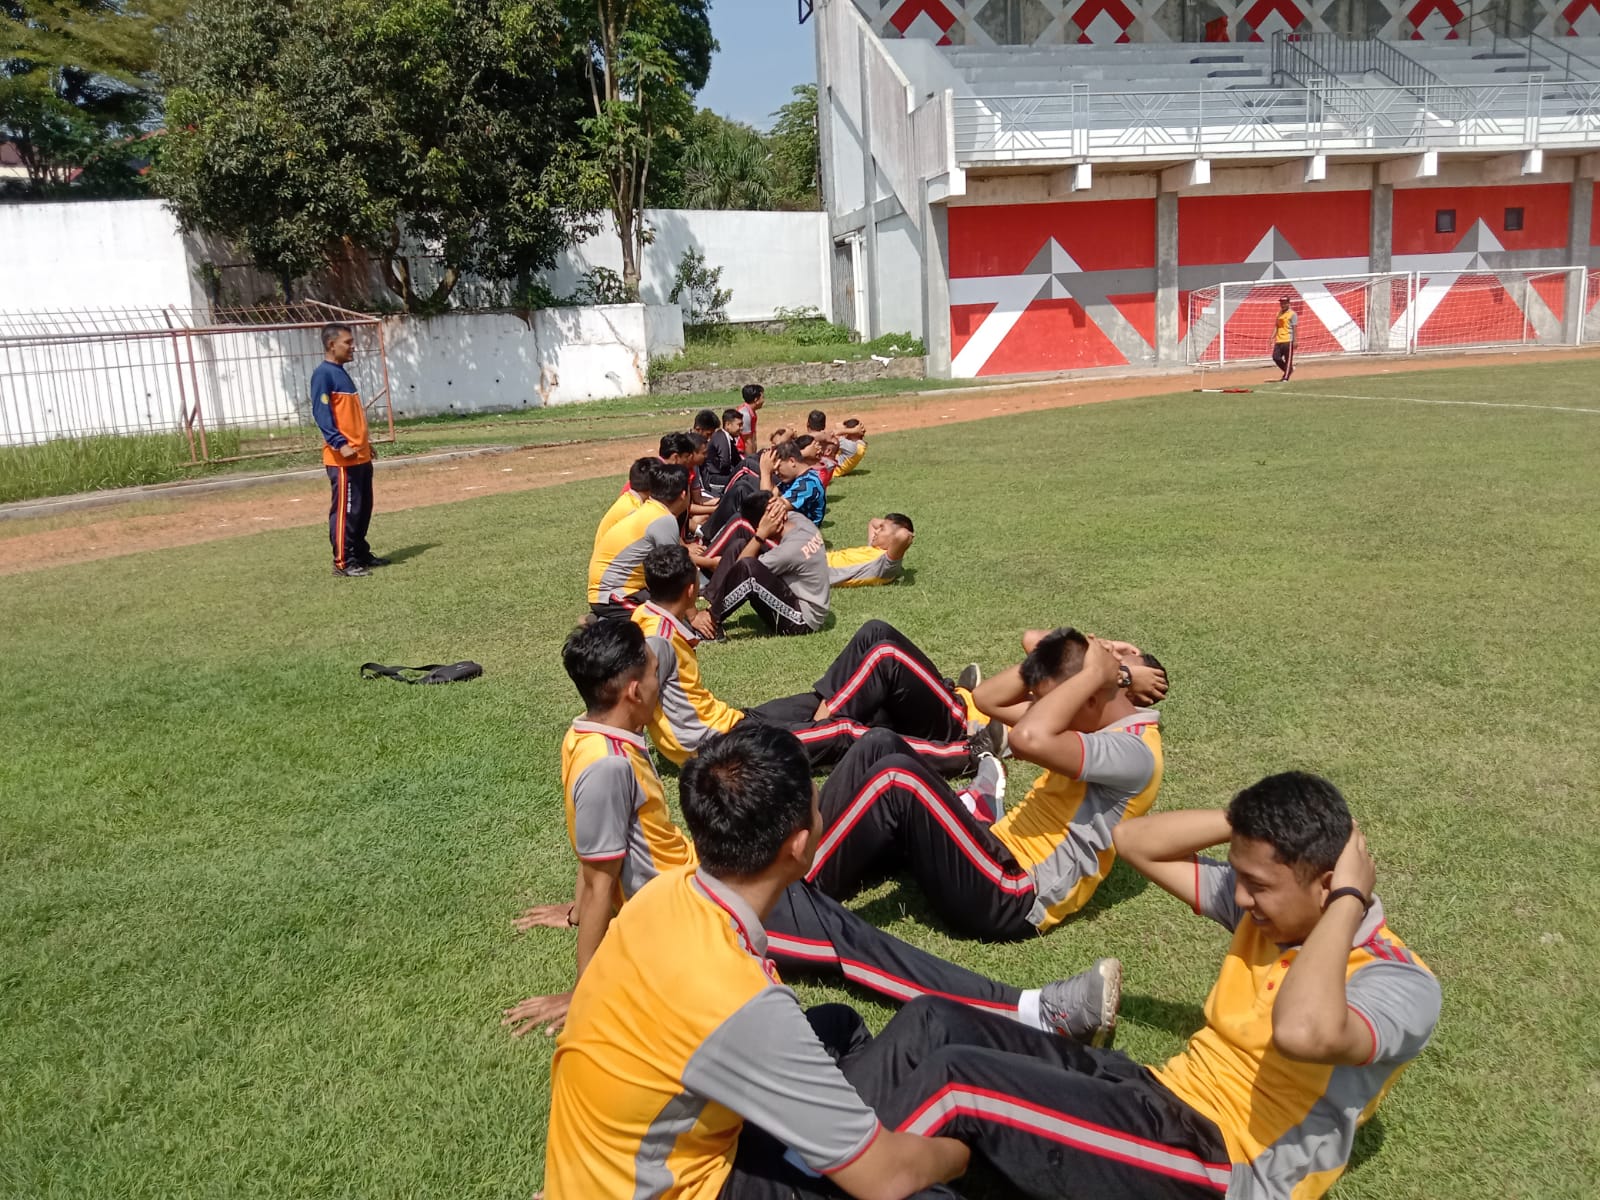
(1391, 313)
(1520, 307)
(1335, 314)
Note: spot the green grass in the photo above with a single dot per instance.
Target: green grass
(68, 465)
(63, 467)
(735, 346)
(254, 913)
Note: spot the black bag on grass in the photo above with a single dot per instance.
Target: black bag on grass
(432, 673)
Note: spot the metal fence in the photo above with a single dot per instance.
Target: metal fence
(232, 382)
(1081, 122)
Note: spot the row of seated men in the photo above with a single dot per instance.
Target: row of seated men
(687, 1068)
(753, 535)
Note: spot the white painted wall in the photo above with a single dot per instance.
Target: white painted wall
(100, 254)
(899, 277)
(769, 260)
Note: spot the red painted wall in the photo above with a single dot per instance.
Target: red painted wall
(1225, 229)
(1053, 334)
(1544, 215)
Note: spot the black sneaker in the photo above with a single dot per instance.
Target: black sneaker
(353, 571)
(374, 561)
(989, 738)
(971, 676)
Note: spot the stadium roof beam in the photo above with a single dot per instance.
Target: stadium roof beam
(1412, 166)
(1079, 177)
(1196, 173)
(1506, 167)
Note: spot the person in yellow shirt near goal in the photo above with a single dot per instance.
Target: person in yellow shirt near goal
(1283, 331)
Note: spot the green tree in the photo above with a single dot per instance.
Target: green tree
(725, 164)
(77, 87)
(795, 150)
(298, 127)
(643, 60)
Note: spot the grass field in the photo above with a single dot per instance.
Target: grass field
(255, 914)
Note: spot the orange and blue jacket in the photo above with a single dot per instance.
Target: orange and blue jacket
(339, 414)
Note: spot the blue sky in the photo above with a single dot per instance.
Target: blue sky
(765, 52)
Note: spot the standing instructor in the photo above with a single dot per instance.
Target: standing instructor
(1283, 338)
(346, 453)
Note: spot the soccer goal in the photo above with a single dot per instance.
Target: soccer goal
(1399, 312)
(1463, 310)
(1335, 314)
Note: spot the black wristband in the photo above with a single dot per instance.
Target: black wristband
(1366, 900)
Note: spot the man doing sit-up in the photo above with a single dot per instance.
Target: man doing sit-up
(616, 566)
(880, 561)
(1038, 863)
(780, 568)
(880, 679)
(624, 837)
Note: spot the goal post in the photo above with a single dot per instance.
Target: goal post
(1395, 312)
(1335, 315)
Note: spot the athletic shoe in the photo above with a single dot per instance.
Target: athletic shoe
(971, 676)
(978, 805)
(989, 738)
(1084, 1008)
(375, 561)
(990, 781)
(353, 571)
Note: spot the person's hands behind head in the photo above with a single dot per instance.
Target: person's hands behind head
(1149, 683)
(1031, 639)
(1100, 661)
(771, 523)
(1355, 868)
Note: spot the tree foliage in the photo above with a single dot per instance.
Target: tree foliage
(643, 60)
(796, 157)
(298, 127)
(729, 165)
(77, 88)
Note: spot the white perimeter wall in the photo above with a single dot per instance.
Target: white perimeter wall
(106, 254)
(769, 260)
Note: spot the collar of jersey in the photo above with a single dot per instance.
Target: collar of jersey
(743, 916)
(611, 731)
(683, 631)
(1141, 716)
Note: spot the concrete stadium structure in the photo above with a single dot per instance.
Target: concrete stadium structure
(1038, 185)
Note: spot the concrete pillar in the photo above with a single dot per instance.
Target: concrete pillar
(1580, 217)
(1380, 257)
(868, 304)
(936, 285)
(1168, 348)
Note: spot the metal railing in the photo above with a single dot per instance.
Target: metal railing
(1082, 123)
(1502, 35)
(1310, 54)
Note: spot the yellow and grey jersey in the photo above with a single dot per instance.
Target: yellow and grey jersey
(680, 1031)
(616, 567)
(687, 712)
(1289, 1125)
(851, 452)
(862, 566)
(1061, 832)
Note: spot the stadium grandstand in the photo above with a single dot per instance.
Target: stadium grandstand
(1047, 185)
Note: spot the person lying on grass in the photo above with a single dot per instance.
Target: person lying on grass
(992, 872)
(880, 561)
(623, 836)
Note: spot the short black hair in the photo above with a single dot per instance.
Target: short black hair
(669, 445)
(668, 572)
(752, 391)
(803, 441)
(754, 505)
(1284, 300)
(668, 481)
(706, 419)
(1059, 655)
(696, 443)
(743, 796)
(1302, 816)
(791, 450)
(901, 520)
(852, 422)
(732, 414)
(816, 420)
(329, 332)
(639, 475)
(602, 657)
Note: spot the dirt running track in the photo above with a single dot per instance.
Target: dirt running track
(109, 531)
